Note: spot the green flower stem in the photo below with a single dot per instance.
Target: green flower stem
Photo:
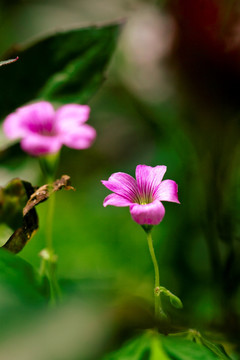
(49, 223)
(49, 165)
(52, 259)
(159, 313)
(42, 269)
(48, 266)
(55, 293)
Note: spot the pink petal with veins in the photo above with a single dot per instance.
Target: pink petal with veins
(123, 185)
(149, 214)
(168, 191)
(116, 200)
(37, 117)
(149, 178)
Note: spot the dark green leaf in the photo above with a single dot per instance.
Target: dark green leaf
(64, 67)
(17, 210)
(182, 349)
(13, 198)
(196, 337)
(157, 351)
(19, 283)
(136, 349)
(145, 347)
(216, 349)
(154, 346)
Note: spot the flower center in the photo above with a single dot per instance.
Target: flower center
(45, 128)
(144, 199)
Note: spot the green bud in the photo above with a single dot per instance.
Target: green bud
(175, 301)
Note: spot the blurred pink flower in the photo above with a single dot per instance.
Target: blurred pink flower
(143, 195)
(43, 130)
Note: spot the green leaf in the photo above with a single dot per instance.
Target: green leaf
(5, 233)
(154, 346)
(217, 349)
(196, 337)
(13, 198)
(19, 283)
(23, 293)
(182, 349)
(157, 351)
(136, 349)
(64, 67)
(145, 347)
(17, 210)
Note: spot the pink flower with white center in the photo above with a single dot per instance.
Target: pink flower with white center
(43, 130)
(144, 195)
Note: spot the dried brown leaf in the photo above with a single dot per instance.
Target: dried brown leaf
(43, 192)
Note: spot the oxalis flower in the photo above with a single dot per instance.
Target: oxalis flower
(144, 195)
(43, 130)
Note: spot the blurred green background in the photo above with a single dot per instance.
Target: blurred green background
(161, 103)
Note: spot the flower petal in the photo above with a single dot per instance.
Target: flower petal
(37, 117)
(38, 145)
(70, 116)
(123, 185)
(79, 137)
(12, 127)
(149, 178)
(116, 200)
(167, 191)
(149, 214)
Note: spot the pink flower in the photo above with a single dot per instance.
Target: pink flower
(144, 195)
(43, 130)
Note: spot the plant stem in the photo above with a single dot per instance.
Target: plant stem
(49, 258)
(42, 269)
(158, 305)
(49, 223)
